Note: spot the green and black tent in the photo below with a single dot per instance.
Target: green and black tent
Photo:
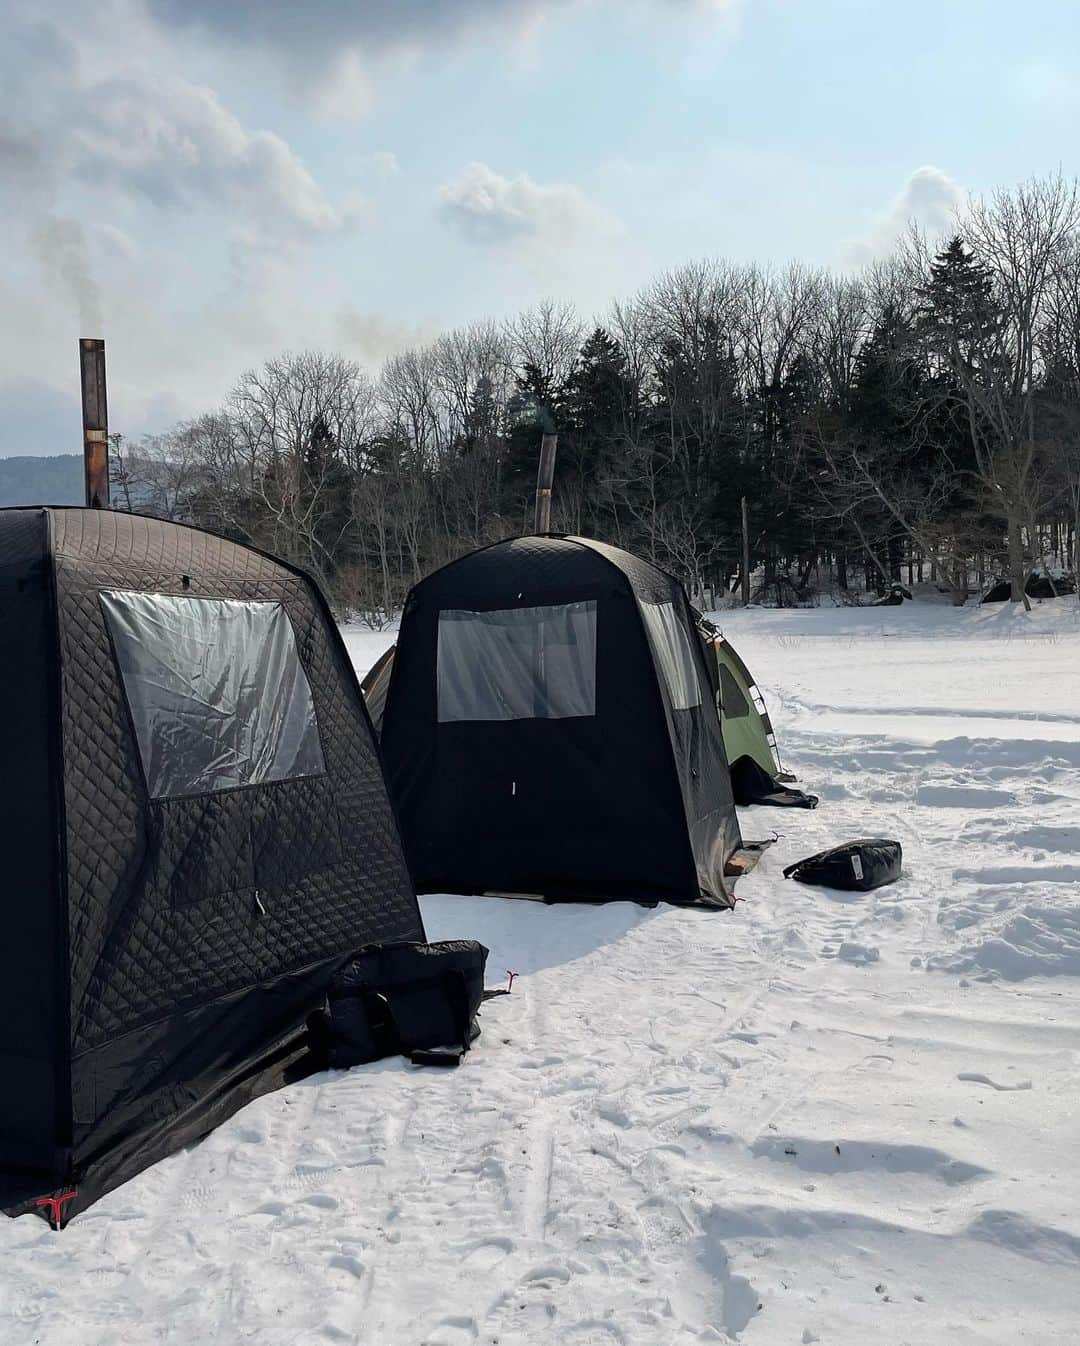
(757, 776)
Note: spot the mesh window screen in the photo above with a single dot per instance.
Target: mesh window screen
(735, 706)
(671, 648)
(217, 693)
(517, 663)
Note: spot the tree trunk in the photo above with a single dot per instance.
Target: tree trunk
(1076, 539)
(958, 585)
(1017, 574)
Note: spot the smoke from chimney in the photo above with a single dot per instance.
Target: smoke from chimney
(528, 410)
(62, 248)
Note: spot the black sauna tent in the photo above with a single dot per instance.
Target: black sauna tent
(195, 833)
(551, 728)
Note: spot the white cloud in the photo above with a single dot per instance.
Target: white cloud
(95, 150)
(139, 130)
(140, 206)
(489, 209)
(175, 143)
(929, 199)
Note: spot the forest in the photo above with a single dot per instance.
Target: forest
(918, 421)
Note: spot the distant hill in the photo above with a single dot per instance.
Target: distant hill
(42, 481)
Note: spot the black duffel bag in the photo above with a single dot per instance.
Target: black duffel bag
(858, 865)
(416, 1000)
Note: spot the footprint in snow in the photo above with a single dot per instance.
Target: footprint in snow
(453, 1331)
(594, 1332)
(270, 1208)
(321, 1200)
(343, 1262)
(549, 1272)
(858, 954)
(975, 1077)
(875, 1061)
(962, 796)
(484, 1256)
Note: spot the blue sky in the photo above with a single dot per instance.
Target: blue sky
(208, 184)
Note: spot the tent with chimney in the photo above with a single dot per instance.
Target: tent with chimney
(750, 747)
(549, 728)
(196, 834)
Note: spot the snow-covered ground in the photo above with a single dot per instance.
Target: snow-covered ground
(822, 1117)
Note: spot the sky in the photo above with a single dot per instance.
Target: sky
(208, 184)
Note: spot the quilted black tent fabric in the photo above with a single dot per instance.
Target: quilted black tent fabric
(632, 801)
(161, 955)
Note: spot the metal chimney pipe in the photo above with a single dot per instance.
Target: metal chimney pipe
(95, 410)
(544, 477)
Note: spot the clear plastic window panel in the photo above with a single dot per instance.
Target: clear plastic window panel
(674, 657)
(217, 692)
(517, 663)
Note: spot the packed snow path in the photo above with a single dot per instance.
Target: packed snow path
(822, 1117)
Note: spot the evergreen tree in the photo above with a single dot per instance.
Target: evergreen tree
(597, 409)
(957, 312)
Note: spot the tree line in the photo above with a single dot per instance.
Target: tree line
(917, 421)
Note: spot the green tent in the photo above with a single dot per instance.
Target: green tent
(375, 684)
(749, 742)
(748, 731)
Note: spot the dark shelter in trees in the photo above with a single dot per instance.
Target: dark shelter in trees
(551, 729)
(196, 833)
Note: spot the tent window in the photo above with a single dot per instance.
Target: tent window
(217, 693)
(674, 657)
(732, 702)
(517, 663)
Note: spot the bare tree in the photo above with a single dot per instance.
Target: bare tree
(995, 362)
(164, 472)
(1060, 348)
(547, 338)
